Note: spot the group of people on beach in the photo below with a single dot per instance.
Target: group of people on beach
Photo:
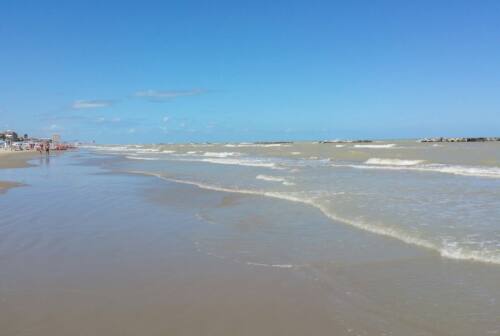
(44, 147)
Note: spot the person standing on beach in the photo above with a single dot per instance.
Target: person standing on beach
(47, 148)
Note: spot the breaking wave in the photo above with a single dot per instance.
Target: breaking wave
(256, 145)
(221, 154)
(393, 162)
(279, 179)
(250, 263)
(376, 146)
(242, 162)
(142, 158)
(472, 171)
(445, 250)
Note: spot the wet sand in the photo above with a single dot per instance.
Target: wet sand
(123, 254)
(10, 160)
(4, 186)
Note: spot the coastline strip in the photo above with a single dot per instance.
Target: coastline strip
(387, 232)
(14, 160)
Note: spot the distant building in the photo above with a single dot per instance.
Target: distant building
(8, 137)
(56, 138)
(11, 135)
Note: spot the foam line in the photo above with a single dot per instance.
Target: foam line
(446, 251)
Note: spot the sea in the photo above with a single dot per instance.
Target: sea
(444, 197)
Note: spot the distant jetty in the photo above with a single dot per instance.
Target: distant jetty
(443, 139)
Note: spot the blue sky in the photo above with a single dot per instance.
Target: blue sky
(179, 71)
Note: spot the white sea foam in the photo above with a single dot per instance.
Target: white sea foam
(339, 146)
(221, 154)
(142, 158)
(110, 148)
(242, 162)
(256, 145)
(393, 162)
(480, 171)
(270, 265)
(295, 153)
(279, 179)
(376, 146)
(168, 151)
(443, 249)
(148, 150)
(472, 171)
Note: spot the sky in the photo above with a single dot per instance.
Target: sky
(217, 71)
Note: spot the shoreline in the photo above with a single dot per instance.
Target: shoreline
(366, 277)
(6, 185)
(186, 260)
(391, 234)
(14, 160)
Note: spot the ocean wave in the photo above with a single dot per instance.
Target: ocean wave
(141, 158)
(110, 148)
(256, 145)
(471, 171)
(279, 179)
(376, 146)
(148, 150)
(393, 162)
(242, 162)
(221, 154)
(444, 250)
(250, 263)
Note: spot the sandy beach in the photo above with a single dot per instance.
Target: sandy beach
(11, 160)
(150, 256)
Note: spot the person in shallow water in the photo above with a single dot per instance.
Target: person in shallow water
(47, 148)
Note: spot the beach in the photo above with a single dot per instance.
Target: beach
(250, 168)
(108, 246)
(10, 160)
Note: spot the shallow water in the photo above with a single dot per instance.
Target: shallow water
(86, 249)
(443, 197)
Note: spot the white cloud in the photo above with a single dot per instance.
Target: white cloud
(88, 104)
(168, 94)
(166, 119)
(131, 130)
(103, 120)
(52, 128)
